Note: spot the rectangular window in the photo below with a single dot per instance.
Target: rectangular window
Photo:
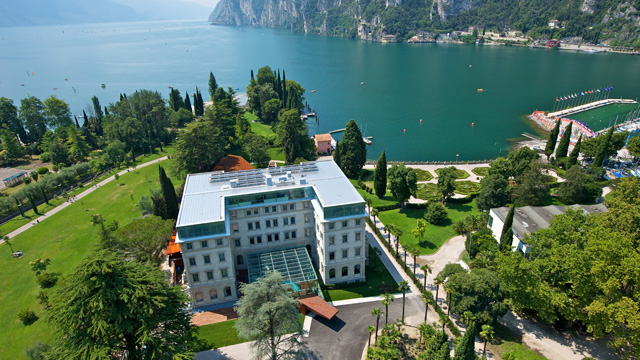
(255, 211)
(207, 259)
(307, 218)
(332, 226)
(357, 236)
(284, 207)
(358, 222)
(195, 277)
(293, 234)
(213, 294)
(269, 238)
(274, 208)
(332, 240)
(345, 224)
(275, 222)
(345, 238)
(306, 204)
(232, 214)
(286, 221)
(259, 239)
(234, 227)
(266, 210)
(268, 223)
(293, 220)
(199, 297)
(345, 271)
(250, 226)
(276, 237)
(345, 254)
(189, 246)
(219, 242)
(307, 232)
(252, 240)
(248, 212)
(209, 275)
(238, 242)
(332, 255)
(490, 221)
(204, 244)
(221, 257)
(286, 235)
(257, 225)
(227, 291)
(224, 273)
(357, 251)
(192, 261)
(292, 206)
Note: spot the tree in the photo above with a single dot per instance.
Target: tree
(532, 188)
(10, 145)
(426, 299)
(603, 148)
(553, 137)
(371, 329)
(144, 239)
(242, 127)
(426, 269)
(353, 150)
(198, 148)
(57, 112)
(337, 156)
(78, 147)
(97, 109)
(294, 138)
(520, 160)
(506, 237)
(402, 182)
(403, 286)
(579, 187)
(397, 232)
(256, 146)
(6, 240)
(415, 252)
(9, 117)
(633, 146)
(437, 281)
(466, 347)
(37, 351)
(374, 213)
(187, 104)
(32, 115)
(93, 313)
(487, 334)
(446, 182)
(494, 192)
(169, 195)
(175, 100)
(500, 166)
(377, 312)
(380, 176)
(33, 204)
(436, 213)
(39, 266)
(270, 111)
(563, 146)
(573, 158)
(480, 292)
(267, 314)
(386, 300)
(213, 85)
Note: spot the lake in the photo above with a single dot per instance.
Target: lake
(386, 88)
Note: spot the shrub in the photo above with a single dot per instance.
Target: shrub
(26, 180)
(37, 351)
(45, 157)
(27, 317)
(436, 213)
(47, 280)
(43, 170)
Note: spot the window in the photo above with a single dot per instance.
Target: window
(292, 206)
(293, 234)
(332, 255)
(221, 257)
(332, 240)
(307, 218)
(357, 251)
(189, 246)
(345, 254)
(219, 242)
(232, 214)
(238, 242)
(275, 222)
(209, 275)
(250, 226)
(255, 211)
(306, 204)
(276, 237)
(204, 244)
(252, 240)
(332, 273)
(307, 232)
(286, 235)
(269, 238)
(358, 236)
(358, 222)
(227, 291)
(224, 273)
(284, 207)
(234, 227)
(257, 225)
(213, 293)
(268, 223)
(259, 239)
(207, 259)
(490, 221)
(274, 208)
(195, 277)
(192, 261)
(293, 220)
(240, 259)
(345, 271)
(248, 212)
(345, 224)
(332, 226)
(266, 210)
(356, 269)
(198, 295)
(345, 238)
(286, 221)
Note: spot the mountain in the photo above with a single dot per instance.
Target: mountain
(616, 22)
(60, 12)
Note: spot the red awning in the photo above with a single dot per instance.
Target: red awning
(319, 306)
(172, 248)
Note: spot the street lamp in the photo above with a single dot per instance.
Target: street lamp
(457, 158)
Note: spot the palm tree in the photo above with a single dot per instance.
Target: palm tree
(403, 286)
(6, 240)
(426, 269)
(374, 213)
(371, 329)
(391, 229)
(486, 334)
(426, 299)
(415, 252)
(386, 300)
(422, 329)
(398, 233)
(437, 282)
(368, 201)
(377, 312)
(467, 318)
(449, 290)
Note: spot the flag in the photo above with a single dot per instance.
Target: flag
(557, 99)
(598, 90)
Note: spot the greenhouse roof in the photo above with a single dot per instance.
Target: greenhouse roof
(294, 264)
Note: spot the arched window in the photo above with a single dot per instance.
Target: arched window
(345, 271)
(227, 291)
(356, 269)
(213, 294)
(198, 296)
(332, 273)
(240, 259)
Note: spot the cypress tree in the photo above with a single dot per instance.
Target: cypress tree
(213, 85)
(506, 238)
(195, 104)
(573, 158)
(86, 119)
(19, 207)
(601, 151)
(284, 88)
(97, 108)
(187, 102)
(252, 78)
(106, 112)
(553, 137)
(169, 195)
(563, 146)
(336, 155)
(44, 195)
(76, 119)
(200, 103)
(466, 348)
(279, 86)
(353, 150)
(380, 176)
(33, 203)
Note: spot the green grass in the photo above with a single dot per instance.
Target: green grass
(386, 200)
(481, 171)
(508, 342)
(428, 192)
(276, 154)
(262, 129)
(66, 238)
(250, 116)
(467, 187)
(423, 175)
(434, 236)
(460, 174)
(378, 280)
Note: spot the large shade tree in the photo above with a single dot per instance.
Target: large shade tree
(403, 182)
(198, 148)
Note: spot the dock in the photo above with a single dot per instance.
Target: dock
(337, 131)
(308, 115)
(589, 106)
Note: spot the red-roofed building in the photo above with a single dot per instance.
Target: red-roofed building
(232, 163)
(323, 143)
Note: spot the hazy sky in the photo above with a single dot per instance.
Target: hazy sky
(208, 3)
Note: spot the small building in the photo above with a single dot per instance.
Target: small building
(552, 43)
(323, 143)
(11, 177)
(388, 38)
(232, 163)
(554, 24)
(529, 219)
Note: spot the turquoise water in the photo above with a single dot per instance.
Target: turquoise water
(403, 83)
(604, 117)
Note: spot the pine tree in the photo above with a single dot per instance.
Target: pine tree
(213, 85)
(86, 119)
(354, 151)
(506, 238)
(380, 176)
(187, 102)
(106, 111)
(33, 203)
(76, 119)
(169, 195)
(97, 109)
(573, 158)
(563, 146)
(466, 347)
(603, 146)
(336, 155)
(553, 137)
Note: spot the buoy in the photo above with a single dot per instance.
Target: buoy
(420, 121)
(313, 91)
(65, 79)
(405, 130)
(469, 65)
(22, 85)
(472, 124)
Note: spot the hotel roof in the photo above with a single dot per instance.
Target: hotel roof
(204, 193)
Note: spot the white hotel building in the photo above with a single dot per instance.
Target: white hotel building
(235, 226)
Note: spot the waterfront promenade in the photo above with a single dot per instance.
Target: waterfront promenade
(589, 106)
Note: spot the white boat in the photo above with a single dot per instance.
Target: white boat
(366, 141)
(592, 51)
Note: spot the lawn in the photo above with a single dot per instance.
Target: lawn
(386, 200)
(66, 238)
(428, 192)
(276, 154)
(507, 342)
(219, 335)
(466, 187)
(378, 280)
(434, 236)
(423, 175)
(460, 174)
(261, 129)
(481, 171)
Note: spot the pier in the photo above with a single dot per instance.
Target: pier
(589, 106)
(337, 131)
(308, 115)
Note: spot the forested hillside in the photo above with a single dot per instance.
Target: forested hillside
(612, 21)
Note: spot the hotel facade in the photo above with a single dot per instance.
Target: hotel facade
(235, 226)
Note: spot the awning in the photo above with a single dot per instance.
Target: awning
(172, 248)
(319, 306)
